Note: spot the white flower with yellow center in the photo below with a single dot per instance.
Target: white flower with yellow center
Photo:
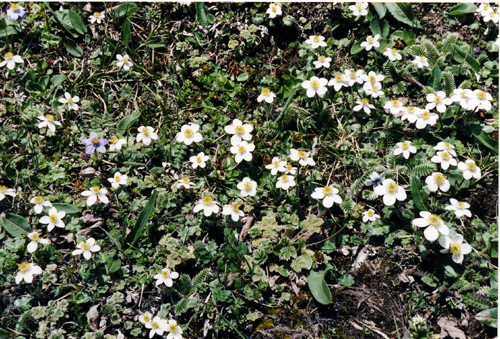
(359, 9)
(304, 158)
(233, 210)
(469, 169)
(199, 160)
(208, 205)
(189, 134)
(145, 318)
(316, 41)
(175, 331)
(352, 76)
(363, 104)
(97, 16)
(285, 181)
(118, 179)
(266, 95)
(123, 61)
(420, 61)
(95, 193)
(462, 96)
(394, 106)
(373, 90)
(322, 61)
(241, 132)
(247, 187)
(438, 100)
(406, 148)
(460, 208)
(6, 191)
(455, 246)
(426, 118)
(185, 182)
(26, 272)
(338, 81)
(371, 42)
(273, 11)
(146, 135)
(445, 159)
(446, 146)
(370, 215)
(39, 203)
(328, 194)
(392, 54)
(437, 181)
(276, 165)
(116, 144)
(391, 191)
(11, 60)
(434, 224)
(243, 151)
(69, 102)
(411, 113)
(157, 326)
(492, 15)
(480, 100)
(86, 248)
(35, 240)
(315, 86)
(289, 169)
(49, 122)
(373, 78)
(483, 9)
(53, 219)
(165, 277)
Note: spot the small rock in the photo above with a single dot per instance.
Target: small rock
(88, 172)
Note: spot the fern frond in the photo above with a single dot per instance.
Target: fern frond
(465, 84)
(24, 321)
(448, 41)
(431, 50)
(441, 62)
(200, 277)
(415, 50)
(181, 307)
(428, 90)
(4, 334)
(423, 169)
(348, 206)
(391, 71)
(358, 184)
(477, 301)
(186, 287)
(449, 83)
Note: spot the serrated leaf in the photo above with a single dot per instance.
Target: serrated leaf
(346, 280)
(403, 12)
(488, 317)
(318, 287)
(409, 37)
(76, 22)
(313, 223)
(435, 78)
(462, 8)
(449, 272)
(5, 28)
(302, 262)
(15, 225)
(127, 121)
(58, 79)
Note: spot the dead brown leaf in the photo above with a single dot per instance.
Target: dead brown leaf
(448, 327)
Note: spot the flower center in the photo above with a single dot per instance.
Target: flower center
(463, 94)
(97, 14)
(165, 274)
(3, 189)
(239, 130)
(70, 100)
(471, 166)
(38, 200)
(360, 7)
(460, 204)
(117, 178)
(455, 248)
(265, 92)
(370, 213)
(321, 58)
(339, 78)
(372, 78)
(485, 7)
(315, 83)
(434, 220)
(481, 95)
(302, 154)
(53, 218)
(492, 13)
(145, 131)
(242, 149)
(365, 101)
(235, 207)
(188, 133)
(395, 103)
(34, 237)
(327, 190)
(410, 110)
(24, 267)
(352, 75)
(447, 145)
(113, 140)
(426, 115)
(155, 325)
(284, 178)
(125, 59)
(174, 328)
(95, 189)
(273, 8)
(185, 180)
(49, 117)
(247, 186)
(405, 145)
(85, 246)
(8, 55)
(276, 163)
(316, 38)
(438, 99)
(207, 200)
(394, 51)
(392, 188)
(14, 7)
(423, 59)
(375, 88)
(439, 178)
(370, 39)
(95, 141)
(198, 159)
(445, 156)
(147, 318)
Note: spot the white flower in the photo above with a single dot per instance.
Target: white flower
(445, 146)
(233, 210)
(405, 148)
(359, 9)
(243, 151)
(463, 97)
(411, 113)
(116, 144)
(166, 276)
(469, 169)
(315, 86)
(445, 159)
(86, 247)
(328, 194)
(146, 135)
(437, 181)
(456, 246)
(352, 76)
(394, 106)
(373, 78)
(49, 122)
(338, 81)
(273, 11)
(94, 193)
(426, 118)
(289, 169)
(247, 187)
(199, 160)
(208, 205)
(53, 219)
(392, 54)
(69, 102)
(26, 272)
(483, 9)
(438, 100)
(304, 158)
(175, 331)
(365, 105)
(39, 203)
(374, 90)
(241, 132)
(434, 224)
(480, 100)
(460, 208)
(371, 41)
(420, 61)
(285, 181)
(118, 179)
(11, 60)
(315, 41)
(266, 95)
(370, 215)
(35, 240)
(6, 191)
(188, 134)
(322, 61)
(97, 16)
(123, 61)
(391, 191)
(276, 165)
(492, 15)
(185, 182)
(146, 318)
(157, 326)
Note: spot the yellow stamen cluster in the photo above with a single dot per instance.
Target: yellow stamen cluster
(95, 140)
(147, 318)
(284, 178)
(97, 14)
(239, 130)
(125, 59)
(8, 55)
(265, 92)
(315, 83)
(3, 189)
(434, 220)
(207, 200)
(445, 156)
(369, 39)
(316, 38)
(185, 180)
(53, 218)
(113, 140)
(455, 248)
(188, 133)
(370, 213)
(460, 204)
(394, 51)
(198, 159)
(85, 246)
(14, 7)
(165, 274)
(146, 131)
(38, 200)
(302, 154)
(24, 267)
(49, 117)
(235, 207)
(339, 78)
(481, 95)
(95, 189)
(321, 58)
(173, 328)
(35, 237)
(438, 99)
(472, 166)
(439, 178)
(365, 101)
(247, 186)
(117, 178)
(405, 145)
(392, 188)
(242, 149)
(327, 190)
(426, 115)
(155, 325)
(273, 8)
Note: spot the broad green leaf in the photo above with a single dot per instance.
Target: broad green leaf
(409, 37)
(62, 18)
(58, 79)
(302, 262)
(488, 317)
(68, 208)
(429, 281)
(72, 47)
(76, 22)
(125, 10)
(486, 140)
(494, 248)
(449, 272)
(319, 288)
(403, 12)
(346, 280)
(419, 199)
(141, 221)
(5, 28)
(15, 225)
(126, 34)
(380, 8)
(463, 8)
(356, 48)
(201, 14)
(126, 122)
(379, 26)
(459, 55)
(243, 77)
(313, 223)
(117, 264)
(384, 44)
(435, 78)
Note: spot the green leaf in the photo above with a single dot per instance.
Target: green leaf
(201, 14)
(380, 8)
(486, 140)
(488, 317)
(58, 79)
(127, 121)
(68, 208)
(494, 248)
(460, 55)
(429, 281)
(346, 280)
(449, 272)
(419, 199)
(409, 37)
(302, 262)
(72, 47)
(5, 28)
(141, 221)
(356, 48)
(15, 225)
(115, 266)
(384, 44)
(125, 10)
(403, 12)
(379, 26)
(4, 333)
(126, 34)
(435, 78)
(243, 77)
(76, 22)
(318, 287)
(462, 8)
(313, 223)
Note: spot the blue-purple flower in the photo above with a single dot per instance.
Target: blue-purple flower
(15, 11)
(94, 143)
